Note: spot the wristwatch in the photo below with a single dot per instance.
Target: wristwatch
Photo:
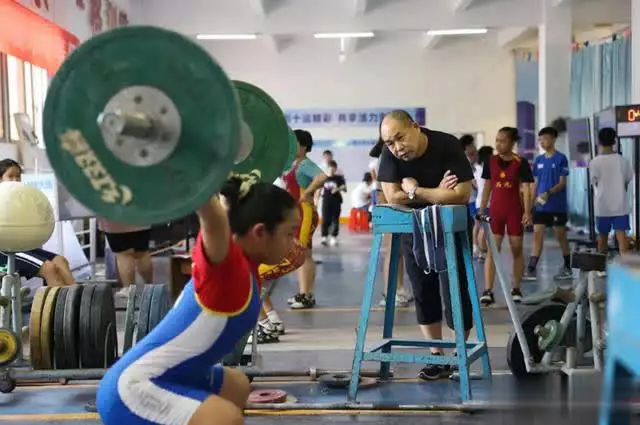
(412, 193)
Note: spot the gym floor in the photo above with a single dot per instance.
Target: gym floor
(324, 338)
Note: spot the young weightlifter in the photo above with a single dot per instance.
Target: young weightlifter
(508, 179)
(168, 378)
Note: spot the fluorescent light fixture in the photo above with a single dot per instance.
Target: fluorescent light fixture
(344, 35)
(226, 36)
(471, 31)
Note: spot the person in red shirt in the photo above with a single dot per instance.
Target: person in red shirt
(508, 178)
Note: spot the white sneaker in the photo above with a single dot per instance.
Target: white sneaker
(324, 241)
(124, 292)
(333, 241)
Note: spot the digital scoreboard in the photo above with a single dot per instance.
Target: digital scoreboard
(628, 121)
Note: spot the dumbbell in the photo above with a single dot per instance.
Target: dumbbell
(142, 126)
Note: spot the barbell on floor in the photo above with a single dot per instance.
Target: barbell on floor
(142, 126)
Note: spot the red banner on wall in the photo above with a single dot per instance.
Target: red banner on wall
(32, 38)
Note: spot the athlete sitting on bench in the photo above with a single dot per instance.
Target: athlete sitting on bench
(53, 268)
(168, 377)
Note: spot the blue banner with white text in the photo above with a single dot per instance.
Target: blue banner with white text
(366, 117)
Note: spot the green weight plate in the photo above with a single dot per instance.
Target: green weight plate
(72, 326)
(552, 337)
(530, 319)
(143, 313)
(199, 92)
(159, 305)
(293, 150)
(269, 130)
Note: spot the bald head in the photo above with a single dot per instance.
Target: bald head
(402, 135)
(401, 117)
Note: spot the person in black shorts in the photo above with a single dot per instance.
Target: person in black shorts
(550, 171)
(52, 268)
(130, 244)
(421, 167)
(332, 203)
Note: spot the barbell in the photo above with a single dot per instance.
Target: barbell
(143, 126)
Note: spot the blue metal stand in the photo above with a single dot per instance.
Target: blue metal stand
(397, 220)
(622, 364)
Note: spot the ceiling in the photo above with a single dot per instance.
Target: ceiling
(282, 22)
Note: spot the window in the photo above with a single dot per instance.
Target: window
(27, 86)
(2, 93)
(15, 80)
(40, 84)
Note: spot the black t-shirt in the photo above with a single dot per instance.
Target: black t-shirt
(525, 174)
(331, 183)
(444, 152)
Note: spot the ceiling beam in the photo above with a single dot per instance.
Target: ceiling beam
(277, 43)
(349, 46)
(417, 15)
(359, 7)
(272, 42)
(432, 42)
(258, 7)
(509, 36)
(461, 5)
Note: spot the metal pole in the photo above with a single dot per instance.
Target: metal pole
(506, 290)
(22, 375)
(93, 374)
(595, 323)
(93, 243)
(458, 408)
(313, 373)
(16, 300)
(5, 292)
(138, 125)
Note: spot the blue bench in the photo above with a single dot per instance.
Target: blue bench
(396, 220)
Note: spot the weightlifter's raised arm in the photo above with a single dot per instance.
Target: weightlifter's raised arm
(214, 230)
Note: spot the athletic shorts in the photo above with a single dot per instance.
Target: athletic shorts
(29, 263)
(509, 220)
(473, 210)
(183, 400)
(308, 224)
(606, 224)
(137, 241)
(550, 219)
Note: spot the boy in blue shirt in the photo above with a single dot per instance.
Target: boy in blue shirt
(550, 171)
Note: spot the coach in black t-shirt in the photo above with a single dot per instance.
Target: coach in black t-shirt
(421, 167)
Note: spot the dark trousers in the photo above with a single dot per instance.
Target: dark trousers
(431, 290)
(330, 217)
